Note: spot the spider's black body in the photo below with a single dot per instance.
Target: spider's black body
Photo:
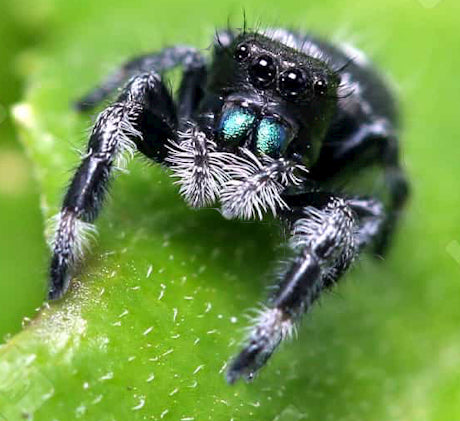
(276, 122)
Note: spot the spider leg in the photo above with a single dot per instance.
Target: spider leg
(371, 215)
(142, 117)
(399, 193)
(374, 143)
(194, 78)
(168, 58)
(326, 237)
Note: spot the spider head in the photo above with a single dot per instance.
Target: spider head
(275, 100)
(266, 109)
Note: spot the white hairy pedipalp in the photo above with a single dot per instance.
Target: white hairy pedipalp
(246, 185)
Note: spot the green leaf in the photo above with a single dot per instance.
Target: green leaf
(158, 307)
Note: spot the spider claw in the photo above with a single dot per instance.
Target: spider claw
(271, 327)
(58, 280)
(247, 363)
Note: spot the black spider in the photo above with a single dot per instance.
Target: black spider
(276, 122)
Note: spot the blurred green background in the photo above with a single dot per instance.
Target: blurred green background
(22, 248)
(415, 41)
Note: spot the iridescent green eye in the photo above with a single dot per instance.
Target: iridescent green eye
(235, 124)
(271, 137)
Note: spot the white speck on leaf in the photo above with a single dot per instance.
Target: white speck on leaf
(80, 411)
(124, 313)
(149, 271)
(223, 368)
(148, 330)
(25, 321)
(162, 292)
(106, 376)
(97, 399)
(140, 405)
(198, 368)
(169, 351)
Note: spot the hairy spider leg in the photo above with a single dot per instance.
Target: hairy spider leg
(327, 235)
(374, 142)
(144, 102)
(189, 58)
(143, 117)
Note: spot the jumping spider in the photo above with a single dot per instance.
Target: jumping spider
(276, 122)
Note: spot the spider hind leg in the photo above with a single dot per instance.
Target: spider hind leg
(179, 55)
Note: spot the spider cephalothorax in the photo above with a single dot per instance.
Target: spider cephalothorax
(270, 109)
(275, 122)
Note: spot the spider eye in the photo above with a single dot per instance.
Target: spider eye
(293, 83)
(235, 124)
(262, 71)
(320, 86)
(271, 137)
(242, 52)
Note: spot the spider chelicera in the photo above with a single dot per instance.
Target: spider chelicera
(275, 122)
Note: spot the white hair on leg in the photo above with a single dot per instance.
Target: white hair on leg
(335, 224)
(126, 147)
(271, 326)
(77, 233)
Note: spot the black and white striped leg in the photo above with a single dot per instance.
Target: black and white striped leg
(326, 239)
(142, 118)
(168, 58)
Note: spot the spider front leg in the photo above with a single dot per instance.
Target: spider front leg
(143, 117)
(326, 237)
